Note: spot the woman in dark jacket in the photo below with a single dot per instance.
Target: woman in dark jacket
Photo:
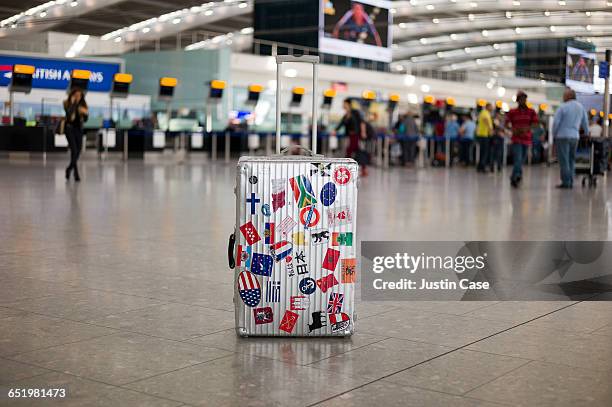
(76, 114)
(355, 130)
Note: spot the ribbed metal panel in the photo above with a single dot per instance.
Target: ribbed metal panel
(267, 169)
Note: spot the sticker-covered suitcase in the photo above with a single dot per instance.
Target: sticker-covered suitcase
(294, 249)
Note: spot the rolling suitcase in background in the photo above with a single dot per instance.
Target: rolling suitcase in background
(294, 248)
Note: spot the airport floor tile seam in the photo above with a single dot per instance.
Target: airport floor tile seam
(441, 356)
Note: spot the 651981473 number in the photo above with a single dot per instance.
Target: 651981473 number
(36, 393)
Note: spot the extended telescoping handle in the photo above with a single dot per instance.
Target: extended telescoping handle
(309, 59)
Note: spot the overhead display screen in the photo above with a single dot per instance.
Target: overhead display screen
(580, 70)
(359, 29)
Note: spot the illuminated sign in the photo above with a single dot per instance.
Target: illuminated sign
(56, 73)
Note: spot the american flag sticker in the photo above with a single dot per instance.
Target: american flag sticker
(249, 289)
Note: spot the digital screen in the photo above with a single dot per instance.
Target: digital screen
(216, 93)
(166, 91)
(253, 97)
(79, 83)
(120, 88)
(580, 70)
(22, 81)
(359, 29)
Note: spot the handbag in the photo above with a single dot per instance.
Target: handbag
(361, 155)
(61, 127)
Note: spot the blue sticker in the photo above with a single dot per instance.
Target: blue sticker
(308, 286)
(265, 209)
(328, 194)
(261, 264)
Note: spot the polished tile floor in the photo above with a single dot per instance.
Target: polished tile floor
(118, 290)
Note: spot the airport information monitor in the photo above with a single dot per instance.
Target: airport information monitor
(359, 29)
(580, 70)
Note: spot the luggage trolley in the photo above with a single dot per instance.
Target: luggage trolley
(590, 158)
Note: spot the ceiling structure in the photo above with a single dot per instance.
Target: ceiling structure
(443, 35)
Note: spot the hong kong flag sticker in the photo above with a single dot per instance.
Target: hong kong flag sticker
(342, 175)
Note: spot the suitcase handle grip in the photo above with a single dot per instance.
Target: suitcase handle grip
(310, 59)
(230, 251)
(306, 150)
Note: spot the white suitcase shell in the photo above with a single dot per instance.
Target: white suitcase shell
(294, 248)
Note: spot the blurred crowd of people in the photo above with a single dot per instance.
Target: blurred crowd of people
(479, 138)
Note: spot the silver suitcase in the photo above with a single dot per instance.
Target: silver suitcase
(294, 247)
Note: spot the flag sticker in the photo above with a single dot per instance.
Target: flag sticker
(263, 315)
(278, 194)
(261, 264)
(302, 191)
(327, 282)
(342, 239)
(288, 322)
(269, 233)
(281, 249)
(243, 257)
(348, 268)
(248, 288)
(342, 175)
(331, 259)
(334, 305)
(250, 233)
(273, 291)
(328, 194)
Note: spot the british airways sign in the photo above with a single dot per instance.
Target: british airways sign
(55, 73)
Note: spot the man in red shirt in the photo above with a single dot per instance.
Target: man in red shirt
(521, 120)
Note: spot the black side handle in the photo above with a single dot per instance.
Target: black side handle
(230, 251)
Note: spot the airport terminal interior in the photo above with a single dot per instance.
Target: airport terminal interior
(471, 122)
